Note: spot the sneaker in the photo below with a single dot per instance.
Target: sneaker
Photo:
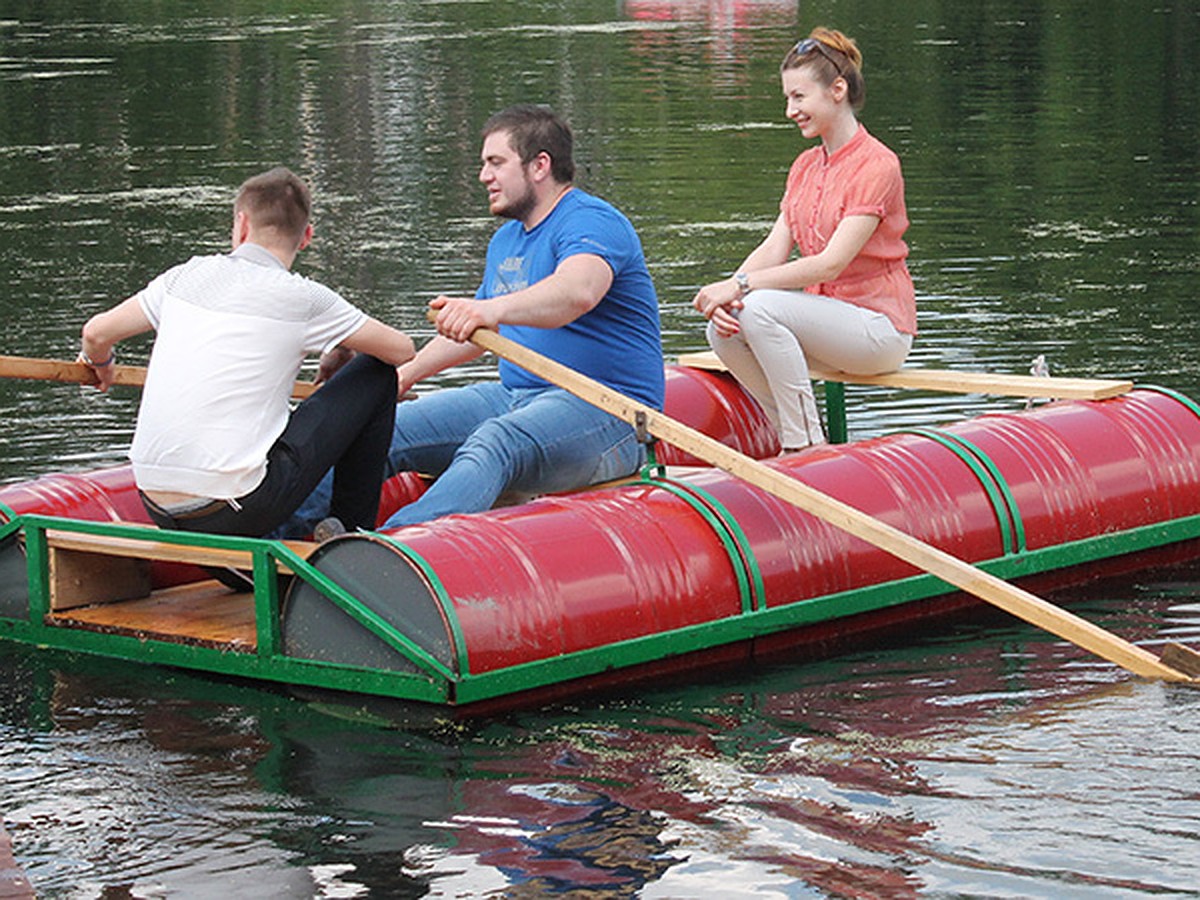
(328, 528)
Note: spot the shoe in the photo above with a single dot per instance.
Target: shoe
(328, 528)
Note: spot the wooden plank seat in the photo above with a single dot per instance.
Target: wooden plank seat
(957, 382)
(138, 548)
(88, 569)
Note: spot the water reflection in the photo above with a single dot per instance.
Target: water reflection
(943, 766)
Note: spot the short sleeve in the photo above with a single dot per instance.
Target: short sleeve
(875, 189)
(154, 294)
(333, 318)
(601, 233)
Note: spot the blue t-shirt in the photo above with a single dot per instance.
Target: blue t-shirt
(618, 342)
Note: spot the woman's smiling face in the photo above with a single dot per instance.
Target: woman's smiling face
(813, 106)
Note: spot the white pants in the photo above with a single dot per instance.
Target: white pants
(782, 332)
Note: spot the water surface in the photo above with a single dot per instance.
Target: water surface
(1053, 185)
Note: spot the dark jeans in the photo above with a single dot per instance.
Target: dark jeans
(346, 425)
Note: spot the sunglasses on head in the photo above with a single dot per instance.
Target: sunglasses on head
(808, 45)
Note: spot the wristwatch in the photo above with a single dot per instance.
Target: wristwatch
(743, 283)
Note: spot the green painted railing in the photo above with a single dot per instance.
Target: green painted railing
(435, 683)
(268, 660)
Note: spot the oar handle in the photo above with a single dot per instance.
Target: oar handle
(923, 556)
(78, 373)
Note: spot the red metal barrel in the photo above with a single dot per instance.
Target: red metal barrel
(714, 403)
(1082, 469)
(571, 573)
(105, 495)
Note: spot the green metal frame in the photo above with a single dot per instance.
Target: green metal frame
(835, 412)
(439, 685)
(267, 661)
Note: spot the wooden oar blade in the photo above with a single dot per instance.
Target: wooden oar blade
(1183, 658)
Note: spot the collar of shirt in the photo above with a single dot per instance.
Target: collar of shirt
(856, 139)
(256, 253)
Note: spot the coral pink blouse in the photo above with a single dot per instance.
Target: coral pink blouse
(861, 178)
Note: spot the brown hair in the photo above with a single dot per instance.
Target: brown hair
(276, 199)
(534, 129)
(832, 55)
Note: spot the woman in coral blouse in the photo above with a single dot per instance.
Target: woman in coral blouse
(846, 300)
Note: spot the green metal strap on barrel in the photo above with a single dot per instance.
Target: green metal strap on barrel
(350, 605)
(440, 594)
(1012, 528)
(1174, 395)
(8, 511)
(745, 567)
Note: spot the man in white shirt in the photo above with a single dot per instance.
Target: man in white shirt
(216, 448)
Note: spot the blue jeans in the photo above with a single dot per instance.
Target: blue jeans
(485, 439)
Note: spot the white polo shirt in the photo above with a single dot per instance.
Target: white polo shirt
(232, 332)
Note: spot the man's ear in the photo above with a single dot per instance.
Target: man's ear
(241, 228)
(542, 165)
(306, 238)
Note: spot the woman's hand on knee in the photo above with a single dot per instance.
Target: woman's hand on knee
(725, 322)
(720, 295)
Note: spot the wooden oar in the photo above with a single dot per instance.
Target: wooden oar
(78, 373)
(930, 559)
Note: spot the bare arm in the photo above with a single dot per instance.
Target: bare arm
(577, 285)
(774, 250)
(440, 353)
(436, 356)
(381, 341)
(104, 330)
(767, 268)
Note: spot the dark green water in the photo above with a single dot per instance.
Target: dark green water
(1052, 159)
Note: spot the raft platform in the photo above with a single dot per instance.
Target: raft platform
(679, 570)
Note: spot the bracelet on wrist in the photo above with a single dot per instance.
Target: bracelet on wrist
(88, 361)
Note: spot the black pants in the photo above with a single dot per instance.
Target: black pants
(347, 426)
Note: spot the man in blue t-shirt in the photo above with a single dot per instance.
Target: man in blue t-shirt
(566, 277)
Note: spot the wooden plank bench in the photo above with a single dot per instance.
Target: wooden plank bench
(956, 382)
(946, 380)
(87, 569)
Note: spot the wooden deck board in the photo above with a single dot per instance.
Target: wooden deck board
(206, 614)
(957, 382)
